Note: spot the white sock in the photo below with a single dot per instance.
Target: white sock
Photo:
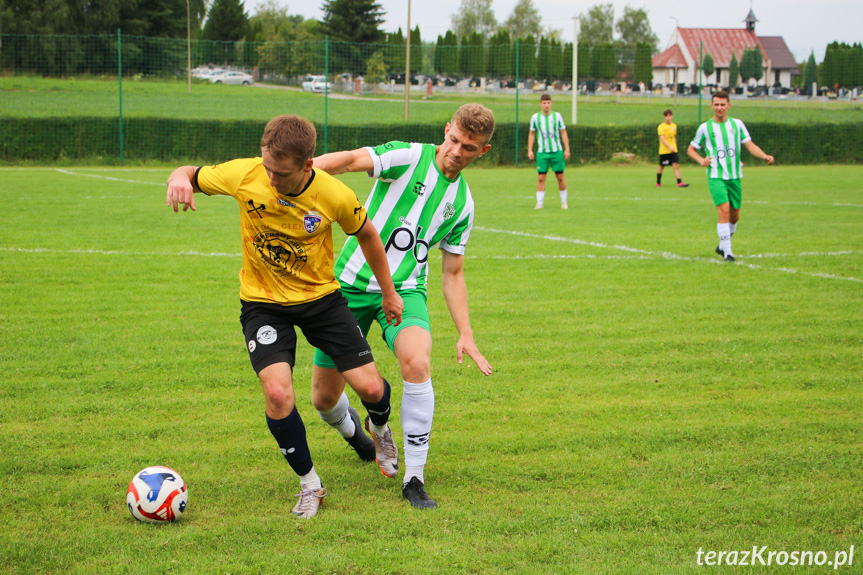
(416, 416)
(732, 227)
(540, 197)
(339, 418)
(562, 196)
(724, 233)
(310, 480)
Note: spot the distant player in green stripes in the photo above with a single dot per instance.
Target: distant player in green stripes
(721, 139)
(419, 200)
(548, 130)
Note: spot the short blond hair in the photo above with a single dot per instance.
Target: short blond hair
(475, 119)
(290, 136)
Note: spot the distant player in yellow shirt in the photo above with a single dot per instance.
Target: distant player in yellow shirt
(667, 131)
(287, 209)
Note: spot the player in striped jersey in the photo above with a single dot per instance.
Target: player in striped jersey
(548, 130)
(721, 139)
(420, 200)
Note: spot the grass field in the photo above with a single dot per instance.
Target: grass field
(648, 400)
(26, 97)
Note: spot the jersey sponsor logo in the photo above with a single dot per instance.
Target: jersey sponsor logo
(419, 189)
(266, 335)
(257, 210)
(729, 152)
(281, 254)
(252, 345)
(403, 240)
(448, 211)
(287, 203)
(312, 221)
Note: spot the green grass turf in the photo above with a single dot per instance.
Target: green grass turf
(44, 97)
(648, 400)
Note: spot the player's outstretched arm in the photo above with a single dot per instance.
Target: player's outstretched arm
(334, 163)
(180, 189)
(695, 157)
(373, 250)
(758, 152)
(455, 294)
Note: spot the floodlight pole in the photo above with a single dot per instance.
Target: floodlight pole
(408, 64)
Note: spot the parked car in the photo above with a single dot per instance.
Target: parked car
(316, 84)
(230, 77)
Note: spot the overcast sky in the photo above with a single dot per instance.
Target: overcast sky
(806, 25)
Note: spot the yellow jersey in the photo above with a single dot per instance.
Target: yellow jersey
(287, 241)
(670, 133)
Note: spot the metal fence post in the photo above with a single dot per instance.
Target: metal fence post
(120, 86)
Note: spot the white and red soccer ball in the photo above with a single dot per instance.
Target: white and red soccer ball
(157, 495)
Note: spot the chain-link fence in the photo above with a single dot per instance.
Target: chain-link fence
(113, 97)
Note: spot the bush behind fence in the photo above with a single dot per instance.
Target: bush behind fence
(47, 140)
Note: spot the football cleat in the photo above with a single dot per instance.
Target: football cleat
(415, 492)
(386, 452)
(564, 206)
(538, 207)
(309, 503)
(682, 185)
(723, 255)
(658, 185)
(362, 443)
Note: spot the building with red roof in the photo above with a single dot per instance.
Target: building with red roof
(681, 57)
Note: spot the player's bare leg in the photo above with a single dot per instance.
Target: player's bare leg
(287, 428)
(561, 185)
(413, 348)
(540, 191)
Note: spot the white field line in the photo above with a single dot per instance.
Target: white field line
(120, 252)
(109, 178)
(644, 254)
(574, 196)
(664, 255)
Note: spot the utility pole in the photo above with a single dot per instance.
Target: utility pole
(676, 62)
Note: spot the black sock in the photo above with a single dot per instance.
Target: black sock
(379, 412)
(658, 178)
(679, 180)
(290, 434)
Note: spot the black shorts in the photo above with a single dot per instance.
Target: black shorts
(327, 323)
(668, 159)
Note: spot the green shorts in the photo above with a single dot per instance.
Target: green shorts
(553, 159)
(725, 191)
(366, 307)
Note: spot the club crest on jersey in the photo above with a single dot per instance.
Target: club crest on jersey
(419, 189)
(312, 221)
(448, 211)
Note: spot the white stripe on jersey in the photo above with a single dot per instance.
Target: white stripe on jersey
(729, 138)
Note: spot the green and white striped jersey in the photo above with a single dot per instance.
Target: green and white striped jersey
(547, 130)
(722, 142)
(414, 207)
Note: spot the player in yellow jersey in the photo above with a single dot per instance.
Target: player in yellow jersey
(287, 209)
(668, 155)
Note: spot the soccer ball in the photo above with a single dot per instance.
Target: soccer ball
(157, 495)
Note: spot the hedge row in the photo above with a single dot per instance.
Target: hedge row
(96, 140)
